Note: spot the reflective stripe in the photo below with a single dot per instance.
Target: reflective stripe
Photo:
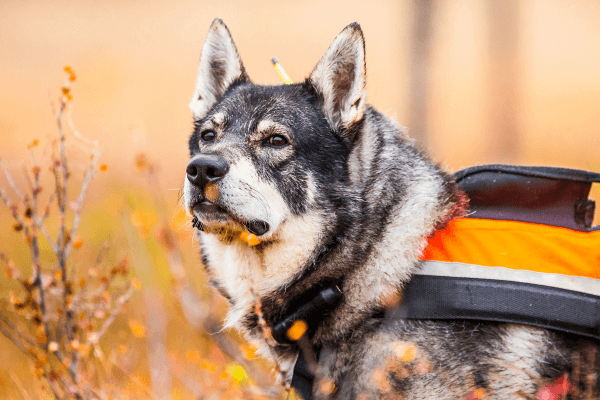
(517, 245)
(460, 270)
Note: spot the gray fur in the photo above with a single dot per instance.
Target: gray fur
(349, 199)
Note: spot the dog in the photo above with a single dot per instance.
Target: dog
(338, 194)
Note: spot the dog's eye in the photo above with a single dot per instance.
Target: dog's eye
(208, 136)
(277, 141)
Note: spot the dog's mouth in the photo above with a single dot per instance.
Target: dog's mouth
(206, 212)
(206, 208)
(257, 227)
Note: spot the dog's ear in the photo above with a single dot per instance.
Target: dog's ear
(340, 79)
(220, 67)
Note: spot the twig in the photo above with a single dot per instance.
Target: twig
(15, 379)
(47, 208)
(133, 379)
(49, 383)
(196, 315)
(76, 133)
(114, 313)
(61, 188)
(61, 242)
(12, 183)
(39, 223)
(12, 208)
(35, 251)
(20, 336)
(15, 340)
(84, 187)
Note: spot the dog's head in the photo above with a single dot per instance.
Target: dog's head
(262, 155)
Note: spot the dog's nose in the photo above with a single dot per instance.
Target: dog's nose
(206, 168)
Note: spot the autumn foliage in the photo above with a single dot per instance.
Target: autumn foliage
(68, 301)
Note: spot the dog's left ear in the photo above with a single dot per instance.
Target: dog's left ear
(220, 67)
(340, 78)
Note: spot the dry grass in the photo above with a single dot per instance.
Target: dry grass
(75, 318)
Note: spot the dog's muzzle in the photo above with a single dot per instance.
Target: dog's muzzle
(205, 168)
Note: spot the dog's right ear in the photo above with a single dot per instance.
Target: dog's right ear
(220, 67)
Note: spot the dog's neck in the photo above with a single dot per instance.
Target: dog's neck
(370, 245)
(288, 273)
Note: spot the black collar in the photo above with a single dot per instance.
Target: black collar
(311, 312)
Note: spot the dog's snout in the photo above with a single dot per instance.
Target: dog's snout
(206, 168)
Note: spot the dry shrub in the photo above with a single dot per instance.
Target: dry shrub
(53, 319)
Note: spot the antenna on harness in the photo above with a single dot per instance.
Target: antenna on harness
(286, 78)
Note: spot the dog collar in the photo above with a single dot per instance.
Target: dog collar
(310, 312)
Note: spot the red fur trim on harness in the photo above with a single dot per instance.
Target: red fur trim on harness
(458, 209)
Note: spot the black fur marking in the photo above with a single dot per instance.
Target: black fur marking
(399, 383)
(316, 148)
(196, 223)
(213, 282)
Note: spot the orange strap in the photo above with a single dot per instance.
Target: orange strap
(517, 245)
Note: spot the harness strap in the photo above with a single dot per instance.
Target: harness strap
(554, 301)
(303, 378)
(457, 291)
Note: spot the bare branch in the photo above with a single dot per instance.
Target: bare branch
(39, 223)
(15, 339)
(35, 250)
(77, 134)
(61, 243)
(17, 382)
(47, 208)
(196, 313)
(19, 335)
(12, 183)
(116, 310)
(84, 187)
(12, 207)
(133, 379)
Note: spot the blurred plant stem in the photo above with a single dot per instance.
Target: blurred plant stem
(196, 311)
(55, 321)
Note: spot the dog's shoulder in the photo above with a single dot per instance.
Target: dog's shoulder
(392, 358)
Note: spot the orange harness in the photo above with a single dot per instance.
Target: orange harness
(517, 245)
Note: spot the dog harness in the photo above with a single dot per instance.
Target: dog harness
(527, 253)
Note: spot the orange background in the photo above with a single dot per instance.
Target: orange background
(136, 65)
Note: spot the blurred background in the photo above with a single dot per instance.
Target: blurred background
(475, 81)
